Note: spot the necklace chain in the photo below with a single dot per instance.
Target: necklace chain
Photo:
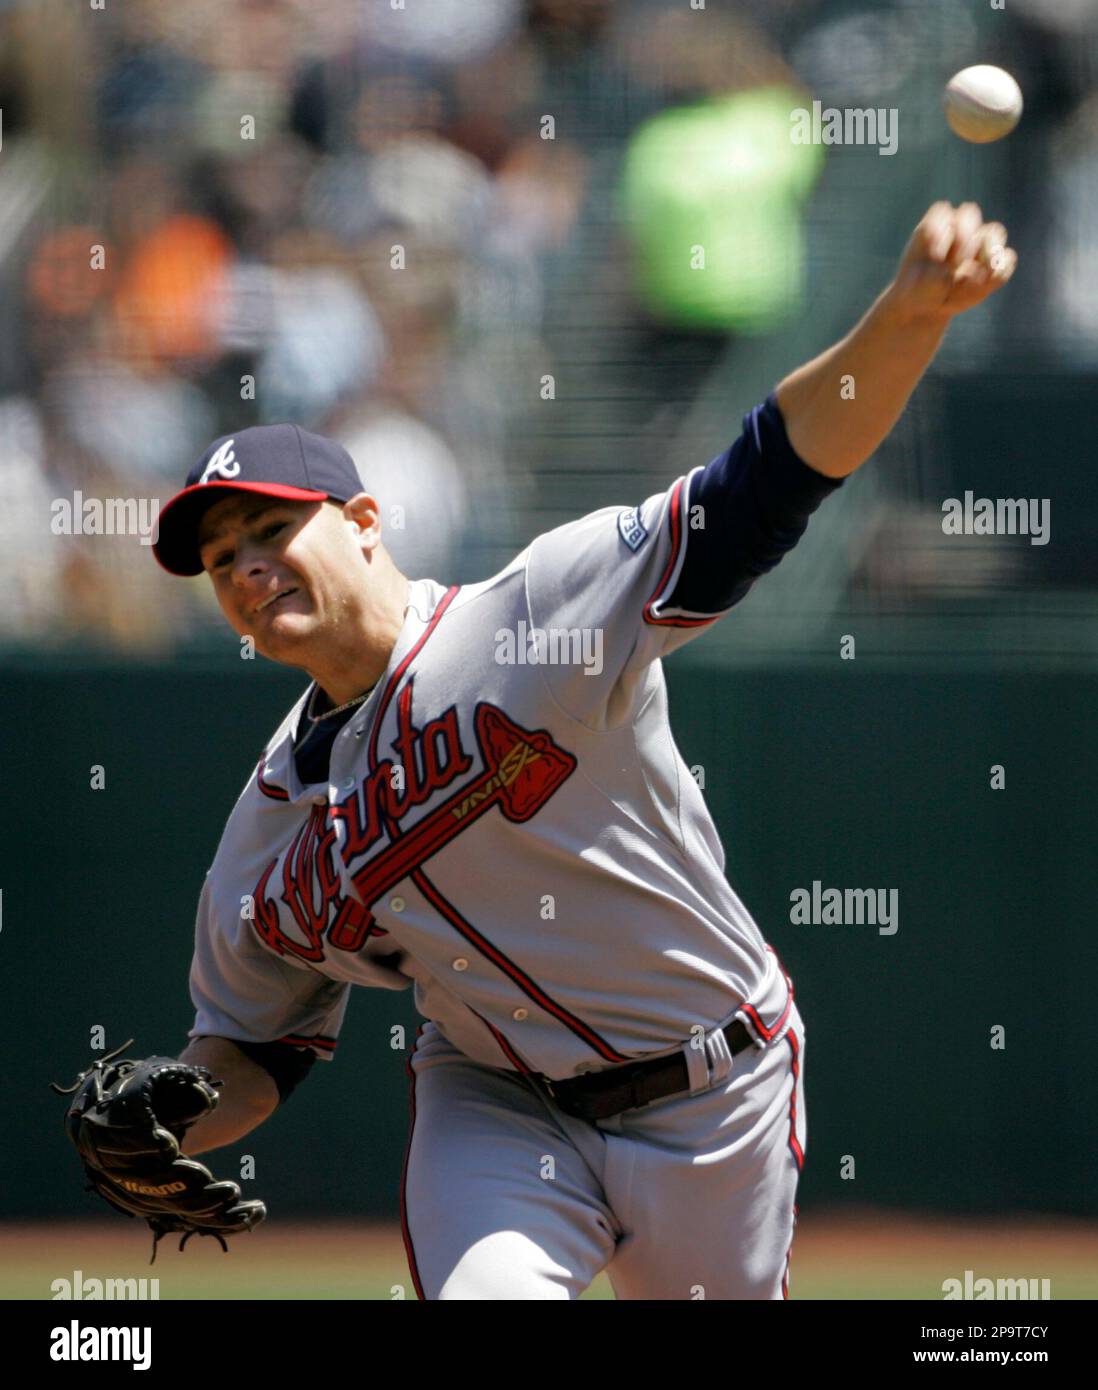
(316, 718)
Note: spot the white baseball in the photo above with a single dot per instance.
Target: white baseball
(982, 103)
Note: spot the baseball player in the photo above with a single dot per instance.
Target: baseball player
(478, 795)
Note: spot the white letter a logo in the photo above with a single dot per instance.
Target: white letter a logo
(223, 462)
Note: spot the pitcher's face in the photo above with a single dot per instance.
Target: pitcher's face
(285, 573)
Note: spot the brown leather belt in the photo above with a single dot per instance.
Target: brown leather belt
(631, 1085)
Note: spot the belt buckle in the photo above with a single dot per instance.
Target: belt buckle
(573, 1107)
(570, 1107)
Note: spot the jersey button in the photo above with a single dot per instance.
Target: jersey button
(520, 1014)
(460, 964)
(397, 904)
(348, 783)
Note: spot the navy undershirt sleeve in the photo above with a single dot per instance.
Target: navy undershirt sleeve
(757, 497)
(287, 1065)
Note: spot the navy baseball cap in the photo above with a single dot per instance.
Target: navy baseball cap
(275, 460)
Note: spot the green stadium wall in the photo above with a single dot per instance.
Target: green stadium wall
(852, 777)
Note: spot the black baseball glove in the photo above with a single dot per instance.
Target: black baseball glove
(126, 1120)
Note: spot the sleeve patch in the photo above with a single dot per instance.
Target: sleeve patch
(633, 531)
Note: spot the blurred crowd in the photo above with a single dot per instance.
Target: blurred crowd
(353, 214)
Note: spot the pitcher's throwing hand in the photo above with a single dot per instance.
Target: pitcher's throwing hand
(953, 262)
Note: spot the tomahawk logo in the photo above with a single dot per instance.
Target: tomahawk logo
(76, 1343)
(224, 462)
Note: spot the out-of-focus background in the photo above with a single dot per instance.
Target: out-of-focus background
(462, 236)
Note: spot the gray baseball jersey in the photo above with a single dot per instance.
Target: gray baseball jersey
(508, 825)
(519, 837)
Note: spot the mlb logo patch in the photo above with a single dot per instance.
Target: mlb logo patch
(633, 531)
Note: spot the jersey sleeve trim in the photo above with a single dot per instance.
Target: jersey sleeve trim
(654, 611)
(269, 788)
(755, 500)
(322, 1045)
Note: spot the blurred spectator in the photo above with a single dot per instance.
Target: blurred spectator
(171, 292)
(324, 342)
(448, 31)
(1073, 256)
(1053, 52)
(713, 190)
(359, 217)
(149, 423)
(28, 570)
(417, 481)
(713, 195)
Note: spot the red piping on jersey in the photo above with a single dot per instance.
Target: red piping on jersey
(445, 908)
(755, 1018)
(788, 1255)
(676, 544)
(277, 793)
(504, 1046)
(318, 1040)
(394, 679)
(496, 956)
(405, 1232)
(795, 1148)
(767, 1034)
